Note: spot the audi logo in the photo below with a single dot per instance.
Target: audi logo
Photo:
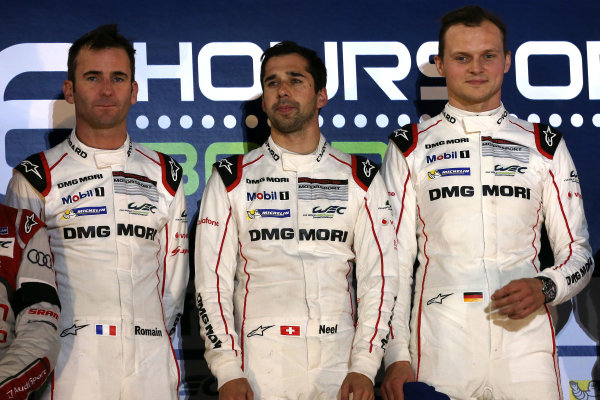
(40, 258)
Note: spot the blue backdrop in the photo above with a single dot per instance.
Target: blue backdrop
(197, 66)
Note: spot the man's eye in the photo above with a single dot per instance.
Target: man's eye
(272, 83)
(118, 79)
(92, 78)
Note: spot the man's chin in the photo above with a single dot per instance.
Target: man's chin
(105, 124)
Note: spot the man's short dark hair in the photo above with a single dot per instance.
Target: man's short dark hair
(316, 67)
(103, 37)
(469, 16)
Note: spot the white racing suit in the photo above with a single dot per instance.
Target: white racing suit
(29, 305)
(472, 193)
(118, 232)
(276, 235)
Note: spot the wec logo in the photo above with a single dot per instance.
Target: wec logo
(329, 210)
(142, 209)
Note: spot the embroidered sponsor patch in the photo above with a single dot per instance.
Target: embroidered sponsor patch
(329, 189)
(83, 211)
(132, 184)
(492, 147)
(268, 213)
(448, 172)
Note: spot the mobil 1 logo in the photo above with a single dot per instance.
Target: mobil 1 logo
(449, 155)
(268, 195)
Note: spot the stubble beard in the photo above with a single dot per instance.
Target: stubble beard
(294, 123)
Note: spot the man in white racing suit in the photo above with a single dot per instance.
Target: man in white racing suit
(29, 305)
(116, 217)
(277, 231)
(471, 189)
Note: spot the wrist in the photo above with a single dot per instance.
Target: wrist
(548, 288)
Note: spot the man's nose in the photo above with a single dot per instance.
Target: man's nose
(283, 90)
(107, 88)
(476, 65)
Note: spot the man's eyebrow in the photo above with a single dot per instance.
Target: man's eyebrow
(290, 73)
(467, 52)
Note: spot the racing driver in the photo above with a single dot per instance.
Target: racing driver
(277, 231)
(116, 217)
(29, 305)
(471, 189)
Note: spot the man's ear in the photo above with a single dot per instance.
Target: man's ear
(507, 61)
(439, 64)
(322, 98)
(68, 91)
(134, 92)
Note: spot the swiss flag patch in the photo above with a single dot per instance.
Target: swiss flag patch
(289, 330)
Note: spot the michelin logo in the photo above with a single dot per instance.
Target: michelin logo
(83, 211)
(448, 172)
(268, 213)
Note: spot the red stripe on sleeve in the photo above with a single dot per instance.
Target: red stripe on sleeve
(218, 280)
(382, 275)
(566, 222)
(421, 297)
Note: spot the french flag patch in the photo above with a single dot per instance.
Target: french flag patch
(106, 330)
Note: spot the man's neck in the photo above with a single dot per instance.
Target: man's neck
(105, 139)
(301, 142)
(475, 107)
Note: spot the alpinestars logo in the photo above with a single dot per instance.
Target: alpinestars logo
(30, 223)
(224, 163)
(438, 299)
(31, 167)
(174, 169)
(401, 132)
(72, 330)
(367, 168)
(259, 331)
(549, 136)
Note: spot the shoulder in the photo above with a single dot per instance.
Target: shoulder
(405, 138)
(36, 171)
(230, 170)
(363, 169)
(171, 170)
(547, 138)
